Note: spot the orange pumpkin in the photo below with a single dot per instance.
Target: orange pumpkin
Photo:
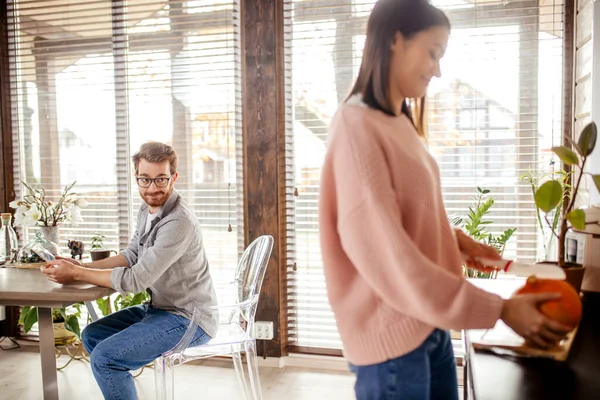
(566, 310)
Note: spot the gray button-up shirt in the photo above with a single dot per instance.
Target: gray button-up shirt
(169, 260)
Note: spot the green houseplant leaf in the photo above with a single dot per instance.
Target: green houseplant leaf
(587, 139)
(566, 155)
(548, 196)
(30, 319)
(24, 311)
(577, 219)
(104, 305)
(72, 324)
(597, 181)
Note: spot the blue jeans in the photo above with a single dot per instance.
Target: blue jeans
(428, 372)
(129, 339)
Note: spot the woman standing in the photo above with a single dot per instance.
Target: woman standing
(392, 261)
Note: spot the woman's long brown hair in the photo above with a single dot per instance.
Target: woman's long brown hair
(408, 17)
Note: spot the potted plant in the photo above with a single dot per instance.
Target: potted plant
(98, 240)
(475, 225)
(65, 321)
(554, 193)
(36, 210)
(548, 239)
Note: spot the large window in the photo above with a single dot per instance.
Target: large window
(91, 81)
(492, 116)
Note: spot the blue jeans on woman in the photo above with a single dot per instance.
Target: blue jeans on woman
(129, 339)
(428, 372)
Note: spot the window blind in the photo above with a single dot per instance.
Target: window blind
(90, 81)
(493, 116)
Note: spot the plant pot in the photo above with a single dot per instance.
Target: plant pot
(574, 273)
(62, 336)
(101, 254)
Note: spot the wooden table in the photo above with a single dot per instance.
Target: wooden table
(29, 287)
(491, 377)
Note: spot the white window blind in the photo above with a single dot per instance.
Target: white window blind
(494, 115)
(90, 81)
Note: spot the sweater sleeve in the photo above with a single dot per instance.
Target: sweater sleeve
(386, 257)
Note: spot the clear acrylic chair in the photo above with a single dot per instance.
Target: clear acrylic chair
(236, 328)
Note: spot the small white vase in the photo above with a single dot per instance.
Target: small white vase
(52, 235)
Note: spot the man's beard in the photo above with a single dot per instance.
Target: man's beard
(157, 198)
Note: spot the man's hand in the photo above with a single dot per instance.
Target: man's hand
(61, 271)
(471, 249)
(71, 260)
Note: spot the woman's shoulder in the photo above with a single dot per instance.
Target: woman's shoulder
(358, 122)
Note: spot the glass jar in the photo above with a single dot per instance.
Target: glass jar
(38, 251)
(9, 244)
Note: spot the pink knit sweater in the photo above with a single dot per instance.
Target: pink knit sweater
(392, 264)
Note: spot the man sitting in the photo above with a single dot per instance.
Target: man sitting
(166, 258)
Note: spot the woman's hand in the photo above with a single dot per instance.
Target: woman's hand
(521, 314)
(473, 249)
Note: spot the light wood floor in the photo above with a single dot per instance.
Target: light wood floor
(20, 378)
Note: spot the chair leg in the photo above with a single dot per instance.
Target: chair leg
(239, 374)
(163, 379)
(253, 373)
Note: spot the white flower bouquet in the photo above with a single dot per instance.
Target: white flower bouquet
(35, 210)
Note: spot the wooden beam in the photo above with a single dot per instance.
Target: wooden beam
(569, 49)
(479, 16)
(45, 73)
(120, 51)
(263, 123)
(182, 129)
(137, 41)
(343, 45)
(43, 29)
(526, 129)
(569, 57)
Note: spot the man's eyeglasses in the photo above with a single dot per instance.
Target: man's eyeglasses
(158, 182)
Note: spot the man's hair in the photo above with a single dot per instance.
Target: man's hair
(156, 152)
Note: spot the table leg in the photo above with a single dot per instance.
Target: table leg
(47, 354)
(91, 311)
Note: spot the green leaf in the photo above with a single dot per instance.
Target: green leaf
(104, 305)
(566, 155)
(138, 298)
(577, 219)
(456, 220)
(596, 179)
(587, 139)
(30, 319)
(72, 324)
(548, 196)
(24, 311)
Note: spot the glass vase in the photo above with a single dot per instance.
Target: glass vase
(9, 244)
